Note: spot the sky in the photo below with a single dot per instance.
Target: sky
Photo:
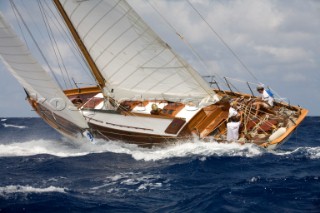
(277, 43)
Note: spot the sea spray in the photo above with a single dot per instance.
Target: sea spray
(67, 148)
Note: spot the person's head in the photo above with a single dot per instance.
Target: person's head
(234, 118)
(154, 107)
(260, 89)
(233, 104)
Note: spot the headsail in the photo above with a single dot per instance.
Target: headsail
(130, 55)
(33, 77)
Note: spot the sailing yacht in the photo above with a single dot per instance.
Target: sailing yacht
(145, 93)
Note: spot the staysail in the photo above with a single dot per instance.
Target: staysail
(130, 55)
(33, 77)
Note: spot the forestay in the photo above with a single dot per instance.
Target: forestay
(33, 77)
(130, 55)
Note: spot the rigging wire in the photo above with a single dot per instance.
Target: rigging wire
(35, 42)
(197, 54)
(54, 45)
(19, 24)
(223, 42)
(70, 42)
(206, 67)
(192, 49)
(49, 18)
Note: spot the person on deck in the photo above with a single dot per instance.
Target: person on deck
(77, 100)
(155, 110)
(232, 109)
(265, 101)
(233, 127)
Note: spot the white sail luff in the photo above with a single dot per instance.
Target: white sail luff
(130, 55)
(33, 77)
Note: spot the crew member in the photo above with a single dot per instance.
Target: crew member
(265, 101)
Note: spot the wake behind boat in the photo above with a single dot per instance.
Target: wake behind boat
(145, 93)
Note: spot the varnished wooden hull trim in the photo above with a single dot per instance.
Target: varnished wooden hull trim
(56, 121)
(146, 140)
(284, 137)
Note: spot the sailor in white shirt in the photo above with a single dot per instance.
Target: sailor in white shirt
(233, 127)
(232, 109)
(266, 97)
(266, 101)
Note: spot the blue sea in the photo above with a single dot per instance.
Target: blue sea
(40, 171)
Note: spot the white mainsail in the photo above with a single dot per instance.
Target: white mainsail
(33, 77)
(130, 55)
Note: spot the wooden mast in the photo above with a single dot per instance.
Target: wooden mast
(94, 69)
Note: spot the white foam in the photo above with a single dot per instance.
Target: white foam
(191, 148)
(197, 148)
(80, 148)
(254, 179)
(131, 181)
(35, 147)
(313, 152)
(13, 126)
(183, 149)
(13, 189)
(309, 152)
(146, 186)
(3, 119)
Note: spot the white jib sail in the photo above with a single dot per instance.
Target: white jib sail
(33, 77)
(130, 55)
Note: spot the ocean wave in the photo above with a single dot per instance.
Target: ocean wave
(309, 152)
(36, 147)
(13, 189)
(80, 148)
(13, 126)
(131, 181)
(197, 148)
(180, 150)
(314, 152)
(3, 119)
